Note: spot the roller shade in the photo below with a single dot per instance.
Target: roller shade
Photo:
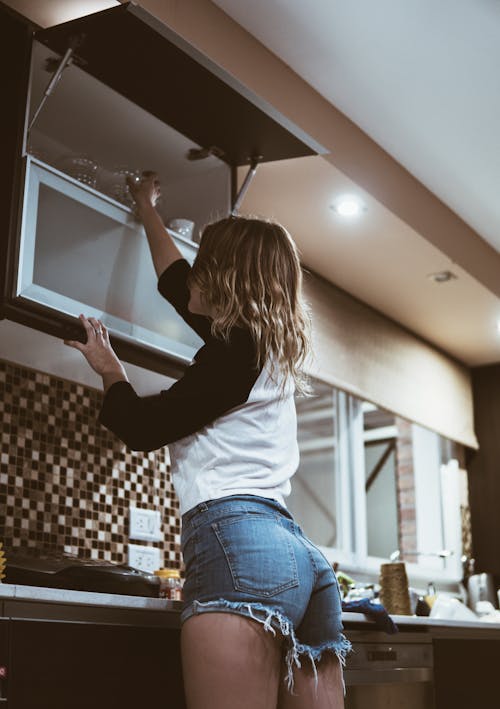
(359, 350)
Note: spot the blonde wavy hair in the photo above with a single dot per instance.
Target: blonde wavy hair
(248, 269)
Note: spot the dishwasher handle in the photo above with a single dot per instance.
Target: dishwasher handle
(395, 675)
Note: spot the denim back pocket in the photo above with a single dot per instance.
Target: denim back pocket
(259, 552)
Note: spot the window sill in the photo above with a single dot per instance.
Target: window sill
(367, 570)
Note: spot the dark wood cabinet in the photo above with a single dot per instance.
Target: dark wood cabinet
(56, 655)
(466, 673)
(183, 88)
(4, 659)
(54, 664)
(15, 52)
(483, 467)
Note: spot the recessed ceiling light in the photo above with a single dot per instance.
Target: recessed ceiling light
(442, 276)
(348, 205)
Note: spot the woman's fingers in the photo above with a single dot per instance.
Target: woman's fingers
(88, 328)
(146, 189)
(97, 350)
(150, 176)
(133, 182)
(104, 332)
(74, 343)
(97, 327)
(95, 330)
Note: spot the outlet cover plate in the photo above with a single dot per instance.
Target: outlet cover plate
(144, 558)
(145, 525)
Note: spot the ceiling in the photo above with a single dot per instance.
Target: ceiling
(421, 79)
(378, 258)
(418, 78)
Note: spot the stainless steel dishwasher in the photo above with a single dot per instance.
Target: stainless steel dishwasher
(389, 671)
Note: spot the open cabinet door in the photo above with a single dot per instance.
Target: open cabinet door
(135, 54)
(133, 91)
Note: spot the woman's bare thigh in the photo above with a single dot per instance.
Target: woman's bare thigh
(229, 662)
(329, 693)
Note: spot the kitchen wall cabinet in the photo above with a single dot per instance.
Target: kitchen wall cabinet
(81, 252)
(15, 45)
(133, 95)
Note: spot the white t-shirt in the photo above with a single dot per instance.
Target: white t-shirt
(229, 428)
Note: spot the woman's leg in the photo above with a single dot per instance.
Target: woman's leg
(229, 662)
(329, 693)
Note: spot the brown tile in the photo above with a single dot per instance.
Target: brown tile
(60, 471)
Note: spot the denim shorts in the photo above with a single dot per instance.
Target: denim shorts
(245, 554)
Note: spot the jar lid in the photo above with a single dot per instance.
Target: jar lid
(168, 573)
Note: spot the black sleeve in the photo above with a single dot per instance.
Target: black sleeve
(219, 380)
(172, 286)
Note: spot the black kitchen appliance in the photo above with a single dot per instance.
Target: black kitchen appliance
(53, 569)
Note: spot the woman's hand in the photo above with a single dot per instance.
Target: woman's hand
(146, 192)
(98, 351)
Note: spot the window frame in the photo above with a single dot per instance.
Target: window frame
(352, 552)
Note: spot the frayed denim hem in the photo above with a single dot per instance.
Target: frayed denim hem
(274, 621)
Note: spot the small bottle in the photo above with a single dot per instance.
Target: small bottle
(170, 584)
(431, 596)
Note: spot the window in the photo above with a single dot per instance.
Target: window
(371, 484)
(314, 498)
(380, 441)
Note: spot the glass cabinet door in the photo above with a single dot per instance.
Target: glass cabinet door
(81, 252)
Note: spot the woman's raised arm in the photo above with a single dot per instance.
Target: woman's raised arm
(146, 194)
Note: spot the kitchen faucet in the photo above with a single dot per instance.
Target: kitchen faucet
(442, 554)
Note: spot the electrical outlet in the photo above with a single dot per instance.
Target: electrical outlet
(144, 558)
(145, 525)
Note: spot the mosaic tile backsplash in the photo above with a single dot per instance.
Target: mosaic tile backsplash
(66, 483)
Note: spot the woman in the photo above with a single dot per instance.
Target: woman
(261, 623)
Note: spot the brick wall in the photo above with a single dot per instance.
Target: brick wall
(405, 489)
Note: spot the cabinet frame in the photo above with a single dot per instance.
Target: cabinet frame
(28, 293)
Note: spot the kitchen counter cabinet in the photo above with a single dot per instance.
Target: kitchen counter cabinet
(466, 672)
(83, 649)
(69, 604)
(60, 664)
(76, 655)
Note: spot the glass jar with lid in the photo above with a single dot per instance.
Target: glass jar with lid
(170, 584)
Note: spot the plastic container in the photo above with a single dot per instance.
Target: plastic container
(118, 189)
(170, 584)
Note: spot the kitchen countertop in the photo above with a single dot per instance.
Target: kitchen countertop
(86, 598)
